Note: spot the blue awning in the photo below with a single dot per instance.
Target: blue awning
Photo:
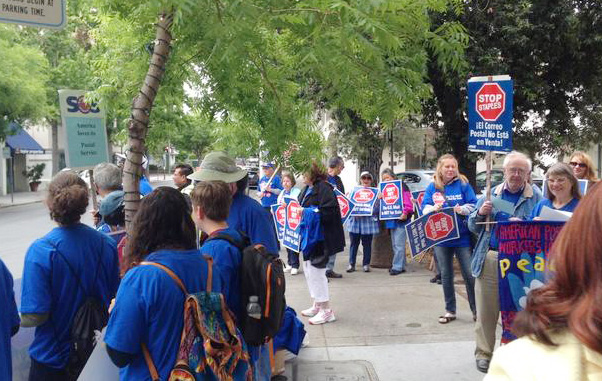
(22, 142)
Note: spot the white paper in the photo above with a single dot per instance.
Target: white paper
(549, 214)
(501, 205)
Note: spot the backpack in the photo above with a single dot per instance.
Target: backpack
(91, 317)
(211, 348)
(262, 275)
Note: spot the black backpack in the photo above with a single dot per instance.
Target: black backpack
(261, 275)
(91, 317)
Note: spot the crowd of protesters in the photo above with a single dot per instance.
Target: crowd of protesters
(75, 264)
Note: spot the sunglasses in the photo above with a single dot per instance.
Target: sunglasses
(580, 165)
(366, 178)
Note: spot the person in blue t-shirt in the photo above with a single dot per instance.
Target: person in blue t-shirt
(245, 215)
(63, 268)
(451, 189)
(269, 191)
(210, 205)
(9, 321)
(149, 306)
(563, 191)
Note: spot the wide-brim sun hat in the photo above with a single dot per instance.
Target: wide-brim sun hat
(218, 165)
(366, 173)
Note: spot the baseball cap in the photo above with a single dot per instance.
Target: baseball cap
(111, 203)
(268, 164)
(366, 173)
(217, 165)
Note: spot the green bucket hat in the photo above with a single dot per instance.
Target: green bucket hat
(218, 165)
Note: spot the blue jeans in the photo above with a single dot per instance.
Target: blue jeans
(293, 258)
(330, 264)
(445, 257)
(355, 244)
(398, 239)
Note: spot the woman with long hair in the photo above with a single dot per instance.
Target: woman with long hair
(583, 166)
(563, 190)
(318, 194)
(451, 189)
(70, 264)
(149, 305)
(560, 335)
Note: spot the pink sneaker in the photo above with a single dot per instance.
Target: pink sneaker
(324, 316)
(310, 312)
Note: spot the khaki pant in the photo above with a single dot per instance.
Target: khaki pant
(488, 307)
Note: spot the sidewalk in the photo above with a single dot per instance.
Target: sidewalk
(24, 198)
(388, 322)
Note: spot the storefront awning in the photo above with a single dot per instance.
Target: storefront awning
(22, 142)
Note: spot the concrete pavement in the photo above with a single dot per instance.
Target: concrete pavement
(390, 322)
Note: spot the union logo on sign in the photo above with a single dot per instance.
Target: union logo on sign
(490, 101)
(390, 194)
(294, 212)
(438, 226)
(343, 205)
(363, 195)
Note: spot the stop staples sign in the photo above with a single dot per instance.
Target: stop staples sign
(490, 101)
(281, 214)
(343, 205)
(438, 226)
(363, 195)
(294, 212)
(390, 194)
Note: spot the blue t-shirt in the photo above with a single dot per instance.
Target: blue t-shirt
(228, 259)
(248, 216)
(570, 207)
(270, 198)
(501, 216)
(145, 187)
(454, 193)
(49, 285)
(9, 318)
(149, 308)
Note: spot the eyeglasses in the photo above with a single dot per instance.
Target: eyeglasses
(580, 165)
(518, 171)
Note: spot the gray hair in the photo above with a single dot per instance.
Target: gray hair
(517, 155)
(107, 176)
(388, 171)
(335, 161)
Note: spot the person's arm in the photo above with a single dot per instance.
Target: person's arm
(475, 217)
(470, 200)
(33, 320)
(427, 202)
(120, 359)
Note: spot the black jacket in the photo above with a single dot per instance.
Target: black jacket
(323, 197)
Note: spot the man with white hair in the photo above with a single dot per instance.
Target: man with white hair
(107, 179)
(515, 189)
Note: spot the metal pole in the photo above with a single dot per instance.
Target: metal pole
(12, 180)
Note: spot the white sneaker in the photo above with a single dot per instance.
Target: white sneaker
(294, 271)
(310, 312)
(287, 268)
(324, 316)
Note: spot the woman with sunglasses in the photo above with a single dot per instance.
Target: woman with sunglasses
(583, 167)
(563, 191)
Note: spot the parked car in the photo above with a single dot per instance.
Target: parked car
(497, 177)
(416, 179)
(253, 177)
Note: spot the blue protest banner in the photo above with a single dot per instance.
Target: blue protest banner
(431, 229)
(345, 205)
(292, 230)
(523, 266)
(279, 215)
(364, 199)
(417, 198)
(490, 102)
(391, 206)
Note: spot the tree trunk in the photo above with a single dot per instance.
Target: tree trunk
(141, 109)
(382, 249)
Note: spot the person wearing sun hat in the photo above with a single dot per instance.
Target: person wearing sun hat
(245, 214)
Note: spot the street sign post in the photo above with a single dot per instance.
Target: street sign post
(36, 13)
